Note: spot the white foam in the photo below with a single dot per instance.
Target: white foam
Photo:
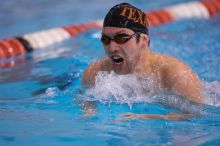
(211, 91)
(122, 88)
(52, 92)
(129, 89)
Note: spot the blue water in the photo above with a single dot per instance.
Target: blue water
(37, 97)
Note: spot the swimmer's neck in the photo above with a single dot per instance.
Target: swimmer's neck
(144, 64)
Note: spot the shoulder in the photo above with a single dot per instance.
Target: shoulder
(90, 72)
(175, 67)
(178, 76)
(168, 64)
(172, 69)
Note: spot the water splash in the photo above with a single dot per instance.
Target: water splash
(112, 88)
(121, 88)
(52, 92)
(211, 91)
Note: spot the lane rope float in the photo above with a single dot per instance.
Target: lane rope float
(12, 47)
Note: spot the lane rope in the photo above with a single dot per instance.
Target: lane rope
(12, 47)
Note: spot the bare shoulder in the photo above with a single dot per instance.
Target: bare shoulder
(91, 71)
(166, 63)
(178, 76)
(173, 67)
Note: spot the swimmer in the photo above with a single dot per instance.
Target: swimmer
(127, 45)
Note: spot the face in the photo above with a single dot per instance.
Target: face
(123, 56)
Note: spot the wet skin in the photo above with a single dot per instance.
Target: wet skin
(135, 57)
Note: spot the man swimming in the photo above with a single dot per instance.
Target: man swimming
(126, 42)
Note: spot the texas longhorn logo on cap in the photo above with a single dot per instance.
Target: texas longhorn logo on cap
(124, 15)
(133, 14)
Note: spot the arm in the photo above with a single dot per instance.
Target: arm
(89, 74)
(91, 71)
(89, 108)
(169, 116)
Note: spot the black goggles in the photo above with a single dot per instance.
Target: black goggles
(118, 38)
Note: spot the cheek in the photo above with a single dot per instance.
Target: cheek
(130, 50)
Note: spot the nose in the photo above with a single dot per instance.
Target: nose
(112, 47)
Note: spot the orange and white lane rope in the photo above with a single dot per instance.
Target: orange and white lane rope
(198, 9)
(15, 46)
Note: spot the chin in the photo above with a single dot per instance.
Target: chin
(121, 72)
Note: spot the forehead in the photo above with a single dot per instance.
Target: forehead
(116, 30)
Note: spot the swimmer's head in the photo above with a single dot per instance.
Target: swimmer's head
(125, 15)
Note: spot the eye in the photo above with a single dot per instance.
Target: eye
(105, 39)
(121, 38)
(122, 35)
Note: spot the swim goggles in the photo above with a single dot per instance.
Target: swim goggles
(118, 38)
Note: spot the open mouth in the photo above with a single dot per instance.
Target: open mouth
(117, 59)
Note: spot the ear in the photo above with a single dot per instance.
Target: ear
(144, 39)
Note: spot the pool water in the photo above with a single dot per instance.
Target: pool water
(37, 97)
